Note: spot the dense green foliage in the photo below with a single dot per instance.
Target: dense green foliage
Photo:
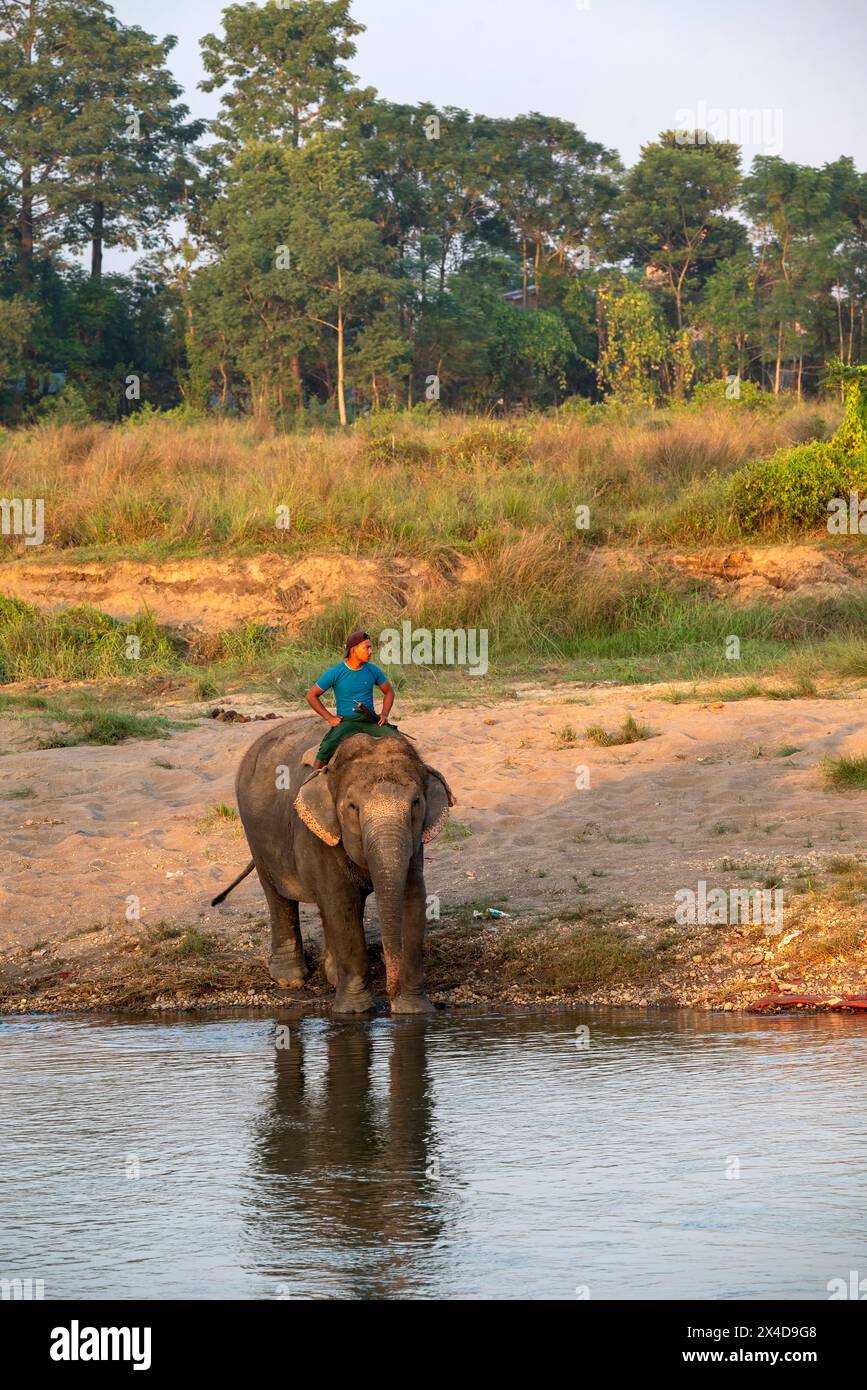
(321, 251)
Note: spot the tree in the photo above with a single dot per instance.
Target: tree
(284, 65)
(554, 185)
(16, 321)
(41, 102)
(727, 313)
(128, 166)
(297, 260)
(671, 219)
(633, 343)
(337, 253)
(530, 353)
(849, 288)
(78, 90)
(247, 305)
(792, 208)
(382, 357)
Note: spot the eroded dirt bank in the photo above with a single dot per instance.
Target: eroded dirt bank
(286, 591)
(728, 794)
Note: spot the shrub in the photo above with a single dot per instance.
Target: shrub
(851, 437)
(794, 486)
(846, 773)
(68, 407)
(629, 732)
(388, 441)
(749, 397)
(489, 443)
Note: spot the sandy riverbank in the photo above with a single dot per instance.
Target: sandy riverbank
(92, 835)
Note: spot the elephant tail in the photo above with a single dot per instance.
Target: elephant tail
(221, 897)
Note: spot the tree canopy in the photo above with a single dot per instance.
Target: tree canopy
(319, 249)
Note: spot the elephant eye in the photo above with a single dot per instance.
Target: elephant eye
(416, 801)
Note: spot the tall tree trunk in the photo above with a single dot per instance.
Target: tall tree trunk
(779, 359)
(341, 395)
(96, 241)
(536, 274)
(524, 266)
(840, 319)
(25, 213)
(25, 228)
(800, 370)
(295, 367)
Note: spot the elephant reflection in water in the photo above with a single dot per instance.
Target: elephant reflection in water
(347, 1193)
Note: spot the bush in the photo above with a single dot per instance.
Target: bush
(148, 414)
(794, 486)
(68, 407)
(750, 397)
(387, 440)
(489, 443)
(574, 408)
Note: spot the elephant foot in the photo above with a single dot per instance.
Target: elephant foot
(353, 1001)
(411, 1004)
(288, 971)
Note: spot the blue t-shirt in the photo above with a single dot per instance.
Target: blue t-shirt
(349, 686)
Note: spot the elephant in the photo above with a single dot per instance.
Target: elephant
(332, 838)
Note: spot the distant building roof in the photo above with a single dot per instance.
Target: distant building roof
(517, 296)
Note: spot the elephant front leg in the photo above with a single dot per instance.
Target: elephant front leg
(346, 954)
(411, 998)
(286, 964)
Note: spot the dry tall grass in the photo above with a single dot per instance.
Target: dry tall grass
(393, 485)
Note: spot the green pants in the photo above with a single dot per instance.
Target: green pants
(352, 724)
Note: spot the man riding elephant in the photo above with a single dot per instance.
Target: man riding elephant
(352, 681)
(355, 826)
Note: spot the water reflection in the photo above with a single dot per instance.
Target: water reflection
(679, 1155)
(345, 1159)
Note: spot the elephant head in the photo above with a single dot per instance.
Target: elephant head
(382, 803)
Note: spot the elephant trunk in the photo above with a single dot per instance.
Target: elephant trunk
(388, 850)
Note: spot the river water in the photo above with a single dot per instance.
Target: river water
(589, 1154)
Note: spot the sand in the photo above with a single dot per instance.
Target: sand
(108, 833)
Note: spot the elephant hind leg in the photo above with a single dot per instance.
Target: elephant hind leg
(286, 964)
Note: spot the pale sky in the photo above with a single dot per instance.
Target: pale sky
(622, 70)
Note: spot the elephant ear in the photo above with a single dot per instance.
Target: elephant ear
(438, 795)
(315, 806)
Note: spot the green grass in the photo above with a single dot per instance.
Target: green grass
(845, 773)
(545, 616)
(17, 794)
(629, 732)
(196, 943)
(217, 818)
(454, 831)
(101, 726)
